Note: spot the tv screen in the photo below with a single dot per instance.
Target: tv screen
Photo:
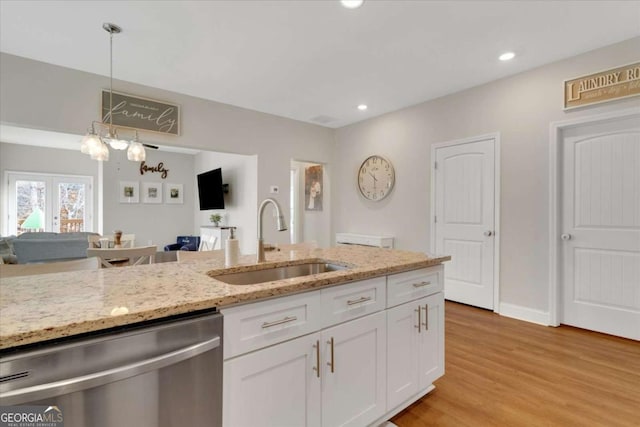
(210, 190)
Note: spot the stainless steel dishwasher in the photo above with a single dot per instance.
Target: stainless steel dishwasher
(163, 374)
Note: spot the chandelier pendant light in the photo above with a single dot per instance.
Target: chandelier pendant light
(96, 145)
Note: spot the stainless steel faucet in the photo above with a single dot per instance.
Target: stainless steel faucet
(282, 225)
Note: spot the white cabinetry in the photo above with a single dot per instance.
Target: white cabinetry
(415, 333)
(354, 380)
(348, 355)
(221, 234)
(276, 386)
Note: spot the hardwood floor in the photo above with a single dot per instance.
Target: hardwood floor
(504, 372)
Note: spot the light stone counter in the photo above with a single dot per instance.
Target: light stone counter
(45, 307)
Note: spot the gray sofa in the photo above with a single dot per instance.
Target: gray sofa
(45, 246)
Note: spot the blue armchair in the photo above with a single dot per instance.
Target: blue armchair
(184, 243)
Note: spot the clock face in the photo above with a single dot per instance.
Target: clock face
(376, 178)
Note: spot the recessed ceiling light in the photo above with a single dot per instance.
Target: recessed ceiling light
(362, 107)
(507, 56)
(352, 4)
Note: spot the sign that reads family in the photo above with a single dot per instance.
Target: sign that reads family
(141, 113)
(621, 82)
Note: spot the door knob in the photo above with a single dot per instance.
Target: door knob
(488, 233)
(566, 236)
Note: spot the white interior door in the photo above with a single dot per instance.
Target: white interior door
(600, 257)
(465, 225)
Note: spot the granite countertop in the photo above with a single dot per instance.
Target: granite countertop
(40, 308)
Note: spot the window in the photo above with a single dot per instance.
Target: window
(58, 203)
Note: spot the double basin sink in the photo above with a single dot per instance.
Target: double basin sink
(278, 273)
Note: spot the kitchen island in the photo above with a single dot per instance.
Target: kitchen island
(35, 309)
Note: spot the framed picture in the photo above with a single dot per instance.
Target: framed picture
(313, 188)
(173, 193)
(129, 192)
(151, 192)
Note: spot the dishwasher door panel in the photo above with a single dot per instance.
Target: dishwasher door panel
(166, 375)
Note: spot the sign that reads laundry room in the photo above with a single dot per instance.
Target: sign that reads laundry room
(141, 113)
(617, 83)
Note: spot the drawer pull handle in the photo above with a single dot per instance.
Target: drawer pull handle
(279, 322)
(358, 301)
(330, 363)
(426, 317)
(317, 367)
(419, 310)
(421, 284)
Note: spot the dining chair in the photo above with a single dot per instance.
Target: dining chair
(193, 255)
(207, 243)
(121, 257)
(14, 270)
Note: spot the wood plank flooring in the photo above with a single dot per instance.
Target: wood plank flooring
(505, 372)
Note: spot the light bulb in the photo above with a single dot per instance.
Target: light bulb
(101, 153)
(136, 152)
(362, 107)
(507, 56)
(352, 4)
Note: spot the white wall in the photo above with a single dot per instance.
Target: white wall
(240, 211)
(521, 108)
(26, 158)
(48, 97)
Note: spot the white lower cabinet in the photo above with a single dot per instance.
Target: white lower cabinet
(354, 380)
(415, 333)
(280, 386)
(348, 355)
(277, 386)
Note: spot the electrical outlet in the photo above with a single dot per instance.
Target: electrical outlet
(274, 189)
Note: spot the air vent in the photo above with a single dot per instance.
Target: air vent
(323, 120)
(13, 377)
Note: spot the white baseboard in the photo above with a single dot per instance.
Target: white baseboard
(525, 313)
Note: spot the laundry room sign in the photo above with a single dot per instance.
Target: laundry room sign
(616, 83)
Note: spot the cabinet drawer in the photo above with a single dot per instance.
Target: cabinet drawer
(253, 326)
(346, 302)
(403, 287)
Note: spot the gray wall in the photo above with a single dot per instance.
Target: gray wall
(156, 224)
(48, 97)
(521, 108)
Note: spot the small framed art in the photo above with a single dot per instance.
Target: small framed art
(173, 193)
(151, 192)
(129, 192)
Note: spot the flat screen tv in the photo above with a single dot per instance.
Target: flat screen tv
(211, 190)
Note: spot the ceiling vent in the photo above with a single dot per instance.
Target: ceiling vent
(323, 120)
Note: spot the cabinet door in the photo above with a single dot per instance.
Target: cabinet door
(274, 387)
(354, 379)
(431, 363)
(402, 353)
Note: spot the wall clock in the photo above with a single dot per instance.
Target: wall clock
(376, 178)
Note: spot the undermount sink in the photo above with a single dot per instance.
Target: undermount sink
(278, 273)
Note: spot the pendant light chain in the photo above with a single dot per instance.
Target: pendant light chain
(111, 82)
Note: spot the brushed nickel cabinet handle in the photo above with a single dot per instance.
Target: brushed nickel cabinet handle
(317, 367)
(331, 362)
(279, 322)
(426, 317)
(358, 301)
(419, 319)
(421, 284)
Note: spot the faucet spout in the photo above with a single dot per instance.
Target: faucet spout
(281, 225)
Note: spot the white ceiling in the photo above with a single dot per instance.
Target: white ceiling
(311, 59)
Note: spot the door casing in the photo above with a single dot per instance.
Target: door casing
(555, 204)
(496, 209)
